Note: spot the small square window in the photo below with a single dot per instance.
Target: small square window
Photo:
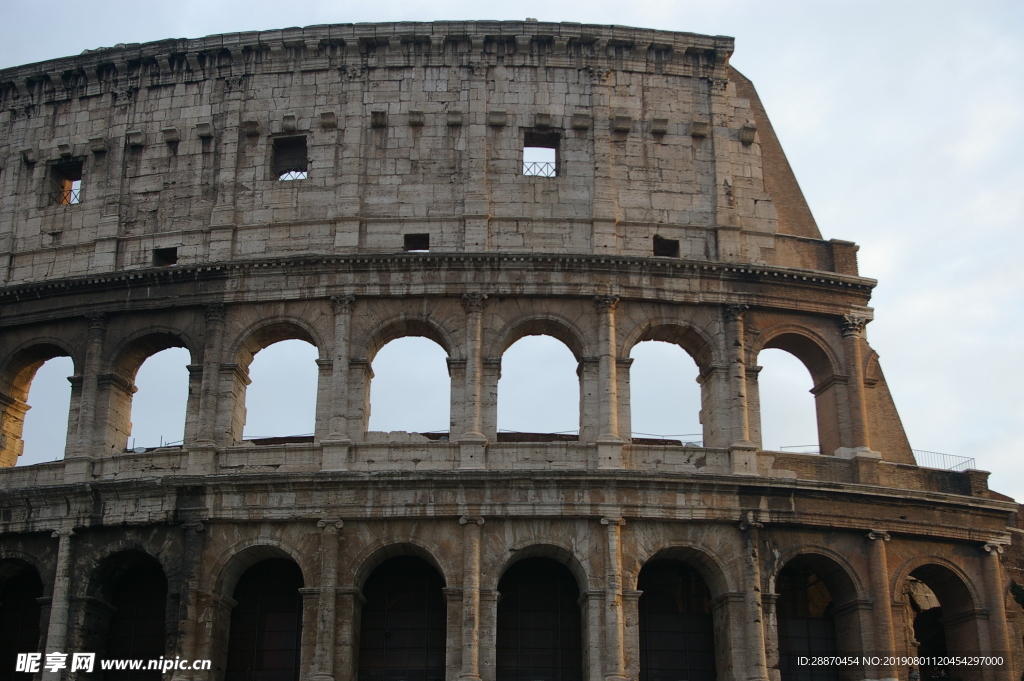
(66, 183)
(540, 154)
(417, 242)
(668, 248)
(165, 257)
(290, 160)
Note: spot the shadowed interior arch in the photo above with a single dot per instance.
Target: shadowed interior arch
(944, 621)
(20, 587)
(677, 639)
(403, 629)
(266, 623)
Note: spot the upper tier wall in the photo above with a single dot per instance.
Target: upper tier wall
(409, 129)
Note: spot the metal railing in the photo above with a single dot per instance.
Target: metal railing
(66, 197)
(539, 168)
(945, 462)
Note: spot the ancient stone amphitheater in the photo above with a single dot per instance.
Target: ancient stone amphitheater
(350, 185)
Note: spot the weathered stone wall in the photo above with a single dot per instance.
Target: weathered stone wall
(415, 129)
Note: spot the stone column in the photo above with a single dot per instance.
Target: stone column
(471, 598)
(336, 445)
(57, 630)
(202, 452)
(615, 670)
(757, 662)
(188, 606)
(472, 442)
(998, 632)
(350, 603)
(78, 467)
(853, 327)
(326, 612)
(883, 607)
(742, 451)
(609, 444)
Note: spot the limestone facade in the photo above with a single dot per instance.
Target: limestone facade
(671, 215)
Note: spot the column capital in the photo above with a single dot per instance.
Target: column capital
(342, 304)
(215, 312)
(194, 526)
(734, 311)
(473, 302)
(336, 524)
(852, 325)
(97, 320)
(613, 521)
(993, 549)
(471, 520)
(606, 303)
(875, 535)
(63, 532)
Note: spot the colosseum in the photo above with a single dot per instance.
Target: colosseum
(350, 185)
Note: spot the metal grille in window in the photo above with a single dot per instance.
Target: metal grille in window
(290, 161)
(66, 184)
(540, 154)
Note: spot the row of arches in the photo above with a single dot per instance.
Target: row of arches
(538, 392)
(540, 618)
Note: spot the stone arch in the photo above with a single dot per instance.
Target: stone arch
(824, 367)
(697, 343)
(104, 589)
(16, 558)
(21, 587)
(959, 620)
(841, 627)
(809, 347)
(234, 560)
(117, 381)
(710, 566)
(265, 332)
(546, 549)
(700, 347)
(402, 327)
(548, 324)
(16, 374)
(373, 555)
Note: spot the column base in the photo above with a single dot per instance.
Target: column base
(609, 455)
(319, 677)
(857, 452)
(469, 677)
(78, 469)
(743, 458)
(473, 451)
(202, 459)
(335, 458)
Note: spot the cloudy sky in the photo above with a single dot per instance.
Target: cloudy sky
(904, 123)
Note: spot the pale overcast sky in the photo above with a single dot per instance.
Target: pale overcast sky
(903, 122)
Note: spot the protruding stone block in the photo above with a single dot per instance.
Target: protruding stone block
(97, 145)
(204, 129)
(379, 119)
(454, 118)
(700, 127)
(622, 123)
(497, 118)
(542, 119)
(251, 128)
(328, 120)
(659, 126)
(289, 123)
(416, 119)
(747, 132)
(582, 121)
(170, 134)
(136, 138)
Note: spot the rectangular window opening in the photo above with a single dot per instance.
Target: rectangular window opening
(66, 183)
(290, 159)
(417, 242)
(540, 154)
(165, 257)
(668, 248)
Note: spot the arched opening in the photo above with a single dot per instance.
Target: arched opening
(138, 621)
(665, 399)
(20, 587)
(788, 416)
(812, 618)
(403, 630)
(943, 620)
(158, 406)
(539, 635)
(539, 390)
(410, 389)
(281, 398)
(266, 624)
(45, 431)
(677, 638)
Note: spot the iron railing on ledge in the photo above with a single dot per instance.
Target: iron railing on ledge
(65, 197)
(539, 168)
(925, 459)
(946, 462)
